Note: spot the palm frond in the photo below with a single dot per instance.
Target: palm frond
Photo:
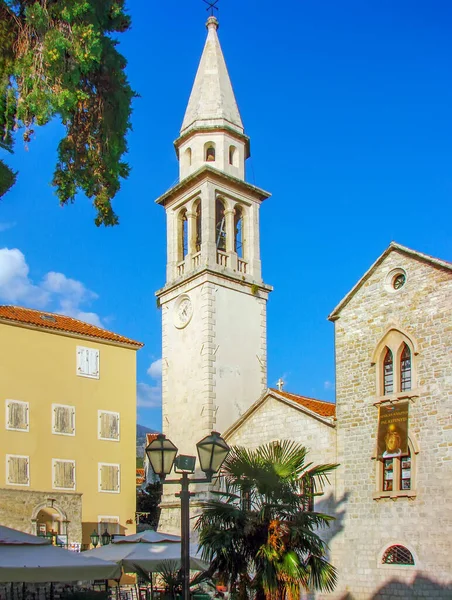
(257, 532)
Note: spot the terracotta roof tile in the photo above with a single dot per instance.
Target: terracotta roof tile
(140, 472)
(139, 480)
(322, 408)
(54, 322)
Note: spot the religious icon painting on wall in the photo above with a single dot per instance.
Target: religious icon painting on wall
(393, 430)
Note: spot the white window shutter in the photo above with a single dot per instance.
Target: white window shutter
(72, 421)
(109, 478)
(64, 474)
(108, 425)
(17, 415)
(81, 360)
(114, 431)
(18, 470)
(94, 362)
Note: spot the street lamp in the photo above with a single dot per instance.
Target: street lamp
(161, 452)
(94, 538)
(105, 538)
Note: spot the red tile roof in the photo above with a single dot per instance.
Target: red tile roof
(322, 408)
(140, 477)
(54, 322)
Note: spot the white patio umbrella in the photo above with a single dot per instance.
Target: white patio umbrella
(148, 537)
(147, 551)
(27, 558)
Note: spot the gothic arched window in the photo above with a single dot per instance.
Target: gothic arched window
(187, 155)
(182, 235)
(220, 226)
(388, 373)
(198, 227)
(405, 369)
(232, 155)
(238, 231)
(209, 149)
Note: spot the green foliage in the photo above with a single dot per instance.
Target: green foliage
(148, 501)
(139, 462)
(260, 536)
(58, 58)
(7, 178)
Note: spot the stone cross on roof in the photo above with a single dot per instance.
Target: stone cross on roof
(280, 384)
(211, 6)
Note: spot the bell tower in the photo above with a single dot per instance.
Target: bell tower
(214, 347)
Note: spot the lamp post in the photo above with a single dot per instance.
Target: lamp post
(105, 538)
(94, 538)
(161, 452)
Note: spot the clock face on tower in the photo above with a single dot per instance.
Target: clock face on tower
(183, 311)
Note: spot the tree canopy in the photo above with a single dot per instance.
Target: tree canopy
(261, 536)
(58, 58)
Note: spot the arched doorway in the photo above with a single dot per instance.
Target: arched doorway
(49, 520)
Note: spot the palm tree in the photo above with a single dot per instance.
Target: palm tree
(260, 534)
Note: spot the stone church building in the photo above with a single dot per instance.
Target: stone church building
(391, 426)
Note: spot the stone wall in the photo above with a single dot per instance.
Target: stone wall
(276, 420)
(18, 508)
(420, 309)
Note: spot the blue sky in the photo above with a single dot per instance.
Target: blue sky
(348, 106)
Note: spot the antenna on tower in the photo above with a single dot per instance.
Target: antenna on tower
(212, 6)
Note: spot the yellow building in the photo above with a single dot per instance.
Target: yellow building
(67, 426)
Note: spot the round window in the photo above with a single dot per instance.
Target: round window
(398, 281)
(395, 280)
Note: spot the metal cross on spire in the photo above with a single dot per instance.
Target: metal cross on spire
(212, 6)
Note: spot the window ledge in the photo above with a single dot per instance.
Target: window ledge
(408, 395)
(395, 494)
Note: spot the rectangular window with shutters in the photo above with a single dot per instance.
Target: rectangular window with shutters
(63, 419)
(87, 362)
(109, 478)
(17, 470)
(108, 425)
(17, 415)
(63, 474)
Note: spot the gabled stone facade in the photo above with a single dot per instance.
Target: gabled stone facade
(372, 318)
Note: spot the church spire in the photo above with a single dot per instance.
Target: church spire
(212, 102)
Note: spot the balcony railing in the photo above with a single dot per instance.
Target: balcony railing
(181, 269)
(242, 266)
(222, 258)
(196, 260)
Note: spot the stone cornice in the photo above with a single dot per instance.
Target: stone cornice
(237, 282)
(208, 172)
(192, 131)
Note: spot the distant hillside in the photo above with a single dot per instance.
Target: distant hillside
(141, 438)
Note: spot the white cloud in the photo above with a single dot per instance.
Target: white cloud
(5, 226)
(149, 396)
(328, 385)
(71, 290)
(155, 370)
(15, 284)
(55, 292)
